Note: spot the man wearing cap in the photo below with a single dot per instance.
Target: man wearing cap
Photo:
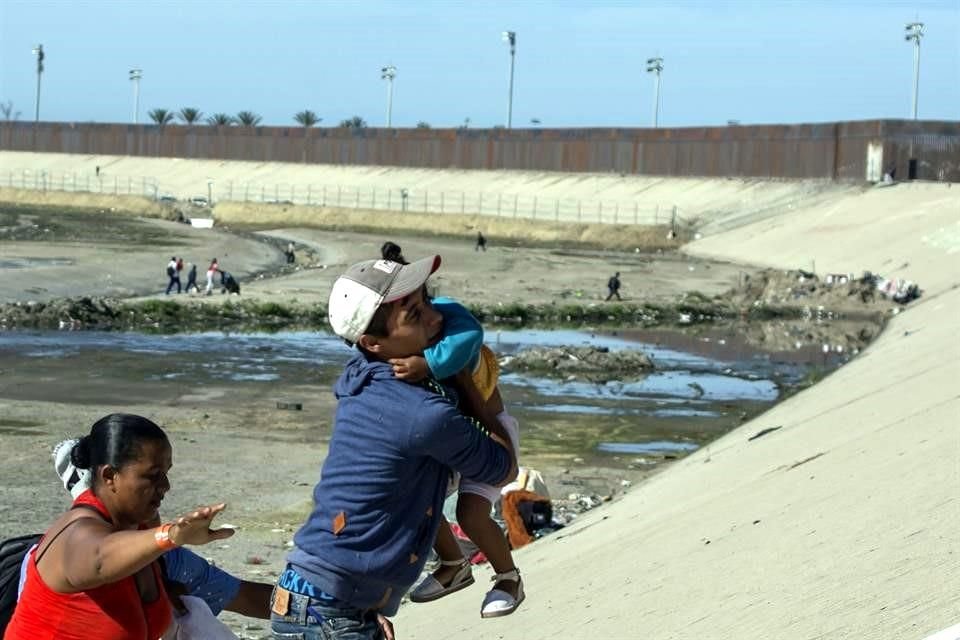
(379, 501)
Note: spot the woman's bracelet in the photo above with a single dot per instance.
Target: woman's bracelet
(161, 536)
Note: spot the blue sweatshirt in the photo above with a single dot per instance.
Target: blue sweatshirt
(461, 342)
(378, 504)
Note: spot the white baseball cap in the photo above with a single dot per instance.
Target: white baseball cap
(359, 292)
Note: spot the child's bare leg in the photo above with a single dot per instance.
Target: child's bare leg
(448, 549)
(473, 514)
(453, 574)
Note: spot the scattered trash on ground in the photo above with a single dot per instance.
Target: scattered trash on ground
(834, 292)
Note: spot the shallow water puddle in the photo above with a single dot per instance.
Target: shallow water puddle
(690, 398)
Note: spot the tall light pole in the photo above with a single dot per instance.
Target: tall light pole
(511, 37)
(388, 73)
(655, 65)
(135, 75)
(38, 51)
(914, 31)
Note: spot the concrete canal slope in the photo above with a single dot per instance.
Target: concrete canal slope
(570, 197)
(840, 524)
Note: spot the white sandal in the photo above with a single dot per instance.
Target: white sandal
(432, 589)
(500, 603)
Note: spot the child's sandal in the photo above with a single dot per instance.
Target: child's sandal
(501, 603)
(432, 589)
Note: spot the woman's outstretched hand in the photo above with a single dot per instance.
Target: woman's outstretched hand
(194, 527)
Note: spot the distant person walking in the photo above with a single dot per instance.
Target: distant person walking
(211, 273)
(291, 256)
(613, 286)
(481, 242)
(173, 272)
(192, 279)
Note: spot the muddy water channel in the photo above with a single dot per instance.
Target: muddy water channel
(702, 384)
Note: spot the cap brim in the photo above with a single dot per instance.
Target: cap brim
(411, 277)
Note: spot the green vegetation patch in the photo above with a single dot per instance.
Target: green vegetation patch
(245, 315)
(50, 224)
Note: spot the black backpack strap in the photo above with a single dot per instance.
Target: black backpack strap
(65, 527)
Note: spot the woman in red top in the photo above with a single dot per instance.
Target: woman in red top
(95, 574)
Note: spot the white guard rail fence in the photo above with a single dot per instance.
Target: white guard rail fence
(78, 182)
(504, 205)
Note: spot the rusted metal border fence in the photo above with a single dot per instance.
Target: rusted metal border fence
(847, 151)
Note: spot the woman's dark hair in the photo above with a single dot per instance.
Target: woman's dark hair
(392, 251)
(115, 440)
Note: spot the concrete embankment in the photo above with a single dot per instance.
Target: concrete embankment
(840, 524)
(548, 196)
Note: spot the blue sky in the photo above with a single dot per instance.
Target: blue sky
(578, 63)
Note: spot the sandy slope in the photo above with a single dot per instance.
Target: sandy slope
(842, 524)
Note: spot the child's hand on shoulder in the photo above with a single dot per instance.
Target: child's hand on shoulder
(411, 368)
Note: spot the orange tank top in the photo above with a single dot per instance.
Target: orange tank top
(109, 612)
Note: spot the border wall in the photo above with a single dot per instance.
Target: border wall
(841, 151)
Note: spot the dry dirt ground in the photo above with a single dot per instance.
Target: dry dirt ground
(102, 253)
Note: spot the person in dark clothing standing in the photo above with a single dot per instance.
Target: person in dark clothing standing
(481, 242)
(192, 278)
(613, 286)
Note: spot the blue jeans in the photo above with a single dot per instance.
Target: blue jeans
(315, 619)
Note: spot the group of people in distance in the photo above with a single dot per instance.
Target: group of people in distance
(419, 416)
(175, 266)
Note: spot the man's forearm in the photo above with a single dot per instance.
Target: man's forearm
(473, 404)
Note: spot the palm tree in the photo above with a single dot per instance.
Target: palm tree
(190, 115)
(161, 116)
(248, 119)
(220, 120)
(6, 108)
(423, 125)
(307, 118)
(356, 122)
